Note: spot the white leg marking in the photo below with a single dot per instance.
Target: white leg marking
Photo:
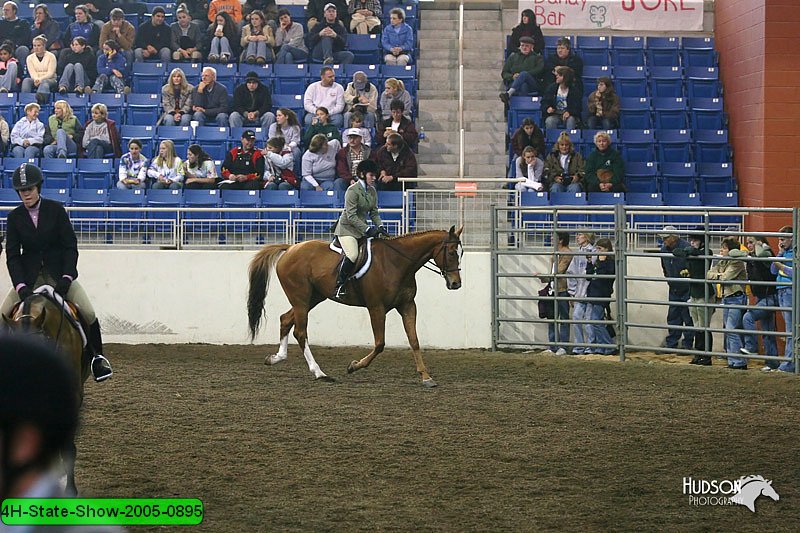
(283, 352)
(312, 364)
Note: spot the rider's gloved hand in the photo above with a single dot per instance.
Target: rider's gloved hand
(24, 292)
(382, 232)
(62, 286)
(372, 231)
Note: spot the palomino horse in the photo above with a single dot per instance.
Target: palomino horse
(307, 272)
(39, 315)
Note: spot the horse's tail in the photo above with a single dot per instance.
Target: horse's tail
(260, 268)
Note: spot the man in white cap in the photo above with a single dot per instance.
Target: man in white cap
(315, 11)
(672, 266)
(348, 158)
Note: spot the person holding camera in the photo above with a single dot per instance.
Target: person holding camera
(564, 167)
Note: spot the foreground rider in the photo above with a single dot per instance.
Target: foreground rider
(360, 200)
(42, 250)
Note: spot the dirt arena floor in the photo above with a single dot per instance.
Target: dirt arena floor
(507, 442)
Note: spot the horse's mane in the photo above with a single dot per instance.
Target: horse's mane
(415, 234)
(747, 479)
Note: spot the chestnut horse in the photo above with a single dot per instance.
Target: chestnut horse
(307, 272)
(39, 315)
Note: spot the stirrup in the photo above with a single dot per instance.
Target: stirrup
(101, 368)
(340, 291)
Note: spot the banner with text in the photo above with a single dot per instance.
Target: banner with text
(630, 15)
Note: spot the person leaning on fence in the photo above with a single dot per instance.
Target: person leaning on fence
(559, 265)
(360, 203)
(784, 274)
(731, 270)
(700, 293)
(671, 267)
(600, 288)
(582, 333)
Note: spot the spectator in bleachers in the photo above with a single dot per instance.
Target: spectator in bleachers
(398, 123)
(166, 169)
(564, 57)
(27, 135)
(321, 125)
(521, 71)
(600, 288)
(77, 67)
(315, 12)
(267, 7)
(132, 173)
(364, 16)
(63, 132)
(252, 102)
(348, 158)
(176, 99)
(604, 106)
(198, 9)
(558, 265)
(530, 168)
(395, 89)
(186, 38)
(396, 160)
(397, 40)
(112, 70)
(766, 296)
(287, 126)
(16, 30)
(5, 135)
(605, 169)
(98, 10)
(41, 69)
(577, 288)
(223, 39)
(564, 167)
(9, 69)
(153, 38)
(290, 40)
(232, 7)
(527, 27)
(328, 39)
(121, 31)
(278, 165)
(361, 95)
(319, 166)
(728, 269)
(562, 101)
(43, 24)
(199, 171)
(784, 275)
(210, 99)
(325, 93)
(257, 40)
(357, 121)
(679, 291)
(696, 272)
(528, 134)
(243, 167)
(100, 135)
(83, 27)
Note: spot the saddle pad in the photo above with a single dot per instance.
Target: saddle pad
(51, 293)
(365, 267)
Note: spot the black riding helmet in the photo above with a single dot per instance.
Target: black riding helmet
(365, 167)
(26, 176)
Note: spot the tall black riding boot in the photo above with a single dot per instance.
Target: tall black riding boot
(345, 270)
(700, 345)
(101, 368)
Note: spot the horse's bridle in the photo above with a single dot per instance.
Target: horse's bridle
(26, 318)
(435, 268)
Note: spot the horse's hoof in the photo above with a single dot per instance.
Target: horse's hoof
(326, 379)
(429, 383)
(352, 367)
(273, 359)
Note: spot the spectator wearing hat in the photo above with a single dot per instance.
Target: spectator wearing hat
(252, 102)
(398, 122)
(210, 99)
(185, 38)
(243, 167)
(315, 11)
(348, 158)
(231, 7)
(153, 38)
(289, 40)
(328, 39)
(121, 31)
(521, 71)
(361, 95)
(395, 160)
(700, 294)
(325, 93)
(605, 169)
(679, 290)
(364, 16)
(397, 39)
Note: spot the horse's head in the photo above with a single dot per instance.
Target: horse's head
(28, 317)
(448, 258)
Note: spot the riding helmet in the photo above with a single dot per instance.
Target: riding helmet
(25, 176)
(367, 166)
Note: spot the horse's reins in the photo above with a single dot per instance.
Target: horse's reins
(442, 272)
(27, 317)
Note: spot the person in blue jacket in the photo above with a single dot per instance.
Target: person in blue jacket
(112, 69)
(397, 39)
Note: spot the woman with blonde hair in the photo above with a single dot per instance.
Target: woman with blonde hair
(166, 167)
(564, 167)
(100, 134)
(395, 90)
(257, 40)
(176, 99)
(41, 68)
(63, 132)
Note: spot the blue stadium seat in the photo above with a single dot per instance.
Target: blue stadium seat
(181, 136)
(707, 114)
(590, 75)
(699, 58)
(666, 82)
(720, 199)
(290, 101)
(89, 221)
(678, 178)
(265, 72)
(59, 195)
(663, 57)
(373, 72)
(8, 106)
(521, 107)
(627, 57)
(143, 109)
(552, 135)
(126, 221)
(674, 146)
(9, 197)
(670, 113)
(278, 221)
(593, 56)
(697, 43)
(535, 199)
(680, 199)
(315, 71)
(391, 200)
(663, 43)
(647, 199)
(638, 152)
(365, 48)
(711, 146)
(114, 104)
(568, 199)
(191, 70)
(201, 221)
(593, 49)
(241, 221)
(290, 79)
(587, 136)
(632, 137)
(164, 198)
(627, 43)
(227, 75)
(79, 104)
(715, 177)
(235, 135)
(58, 173)
(146, 134)
(631, 82)
(550, 41)
(405, 73)
(213, 139)
(635, 113)
(297, 12)
(317, 222)
(148, 77)
(24, 99)
(604, 198)
(95, 173)
(641, 177)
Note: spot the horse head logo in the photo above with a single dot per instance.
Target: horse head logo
(751, 488)
(597, 14)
